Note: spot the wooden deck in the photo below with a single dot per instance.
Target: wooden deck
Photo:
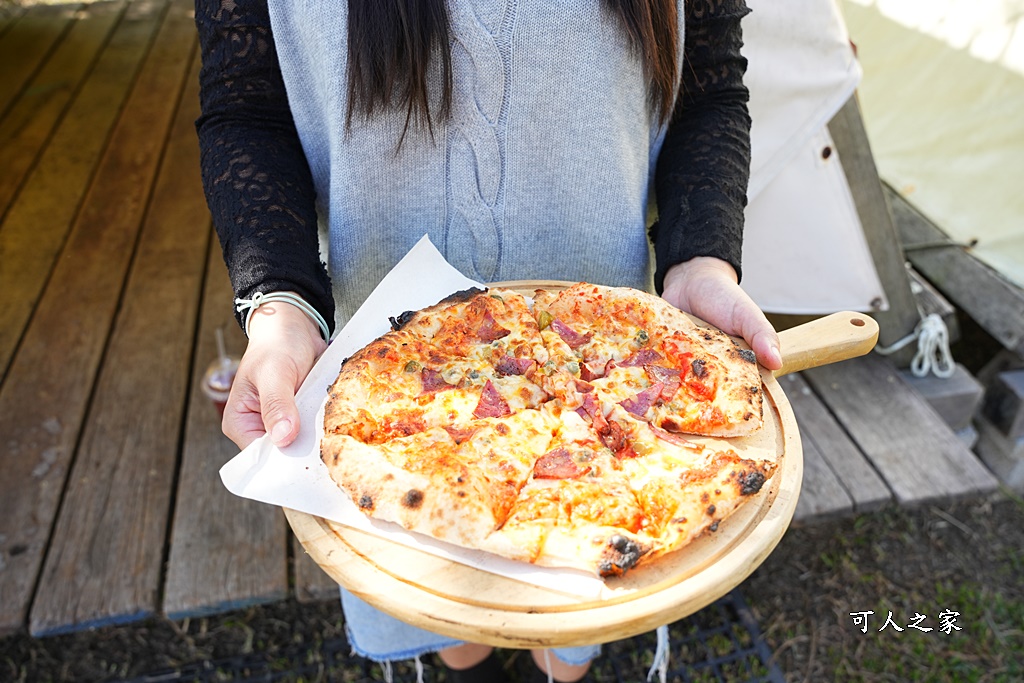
(111, 508)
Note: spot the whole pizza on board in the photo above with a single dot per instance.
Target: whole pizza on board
(551, 430)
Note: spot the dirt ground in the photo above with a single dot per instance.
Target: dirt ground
(922, 565)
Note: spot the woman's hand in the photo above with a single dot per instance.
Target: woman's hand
(283, 345)
(707, 288)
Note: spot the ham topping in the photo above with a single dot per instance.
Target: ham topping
(491, 404)
(570, 336)
(558, 464)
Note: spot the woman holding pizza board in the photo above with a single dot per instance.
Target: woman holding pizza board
(523, 137)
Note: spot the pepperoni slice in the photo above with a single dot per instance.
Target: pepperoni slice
(461, 434)
(641, 358)
(558, 464)
(489, 330)
(669, 377)
(491, 404)
(588, 374)
(431, 382)
(641, 403)
(514, 366)
(570, 336)
(675, 438)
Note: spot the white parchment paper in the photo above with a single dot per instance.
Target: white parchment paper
(296, 478)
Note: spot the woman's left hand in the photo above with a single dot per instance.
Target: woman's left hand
(707, 287)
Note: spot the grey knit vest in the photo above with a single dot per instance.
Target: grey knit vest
(542, 170)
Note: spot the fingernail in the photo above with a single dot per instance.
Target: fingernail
(776, 354)
(281, 431)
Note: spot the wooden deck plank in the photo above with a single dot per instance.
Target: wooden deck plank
(864, 487)
(44, 396)
(9, 15)
(226, 552)
(37, 223)
(32, 118)
(107, 547)
(26, 45)
(991, 300)
(916, 453)
(822, 494)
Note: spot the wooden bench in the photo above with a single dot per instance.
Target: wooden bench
(111, 509)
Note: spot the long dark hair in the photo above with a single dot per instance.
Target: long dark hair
(391, 44)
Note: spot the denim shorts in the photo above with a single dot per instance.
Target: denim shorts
(383, 638)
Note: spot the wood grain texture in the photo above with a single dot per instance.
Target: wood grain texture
(907, 442)
(107, 547)
(823, 439)
(43, 398)
(312, 583)
(37, 223)
(9, 16)
(990, 299)
(226, 552)
(27, 44)
(27, 126)
(830, 339)
(853, 146)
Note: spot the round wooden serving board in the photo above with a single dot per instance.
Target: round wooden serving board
(463, 602)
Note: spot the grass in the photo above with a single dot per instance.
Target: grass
(967, 557)
(964, 557)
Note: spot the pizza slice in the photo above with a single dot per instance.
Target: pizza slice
(641, 352)
(456, 483)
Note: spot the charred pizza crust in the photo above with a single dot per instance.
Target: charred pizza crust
(551, 433)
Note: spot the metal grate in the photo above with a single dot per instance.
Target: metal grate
(721, 643)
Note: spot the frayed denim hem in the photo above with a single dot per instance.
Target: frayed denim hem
(398, 655)
(382, 638)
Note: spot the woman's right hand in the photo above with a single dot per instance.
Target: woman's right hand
(283, 345)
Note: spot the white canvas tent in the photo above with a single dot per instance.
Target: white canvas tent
(805, 251)
(943, 101)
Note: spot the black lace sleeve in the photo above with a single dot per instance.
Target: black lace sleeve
(704, 166)
(255, 175)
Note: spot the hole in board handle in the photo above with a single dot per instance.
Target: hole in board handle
(857, 322)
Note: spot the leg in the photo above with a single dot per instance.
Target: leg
(560, 671)
(465, 656)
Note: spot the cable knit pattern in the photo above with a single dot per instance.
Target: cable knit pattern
(543, 169)
(476, 156)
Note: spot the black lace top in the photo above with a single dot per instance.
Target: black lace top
(260, 189)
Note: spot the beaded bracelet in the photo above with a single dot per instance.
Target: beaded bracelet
(259, 298)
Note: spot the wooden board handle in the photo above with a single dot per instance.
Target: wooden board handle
(835, 337)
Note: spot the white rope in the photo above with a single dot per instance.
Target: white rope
(933, 353)
(259, 298)
(547, 665)
(660, 664)
(389, 675)
(419, 670)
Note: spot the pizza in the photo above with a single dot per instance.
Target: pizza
(558, 430)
